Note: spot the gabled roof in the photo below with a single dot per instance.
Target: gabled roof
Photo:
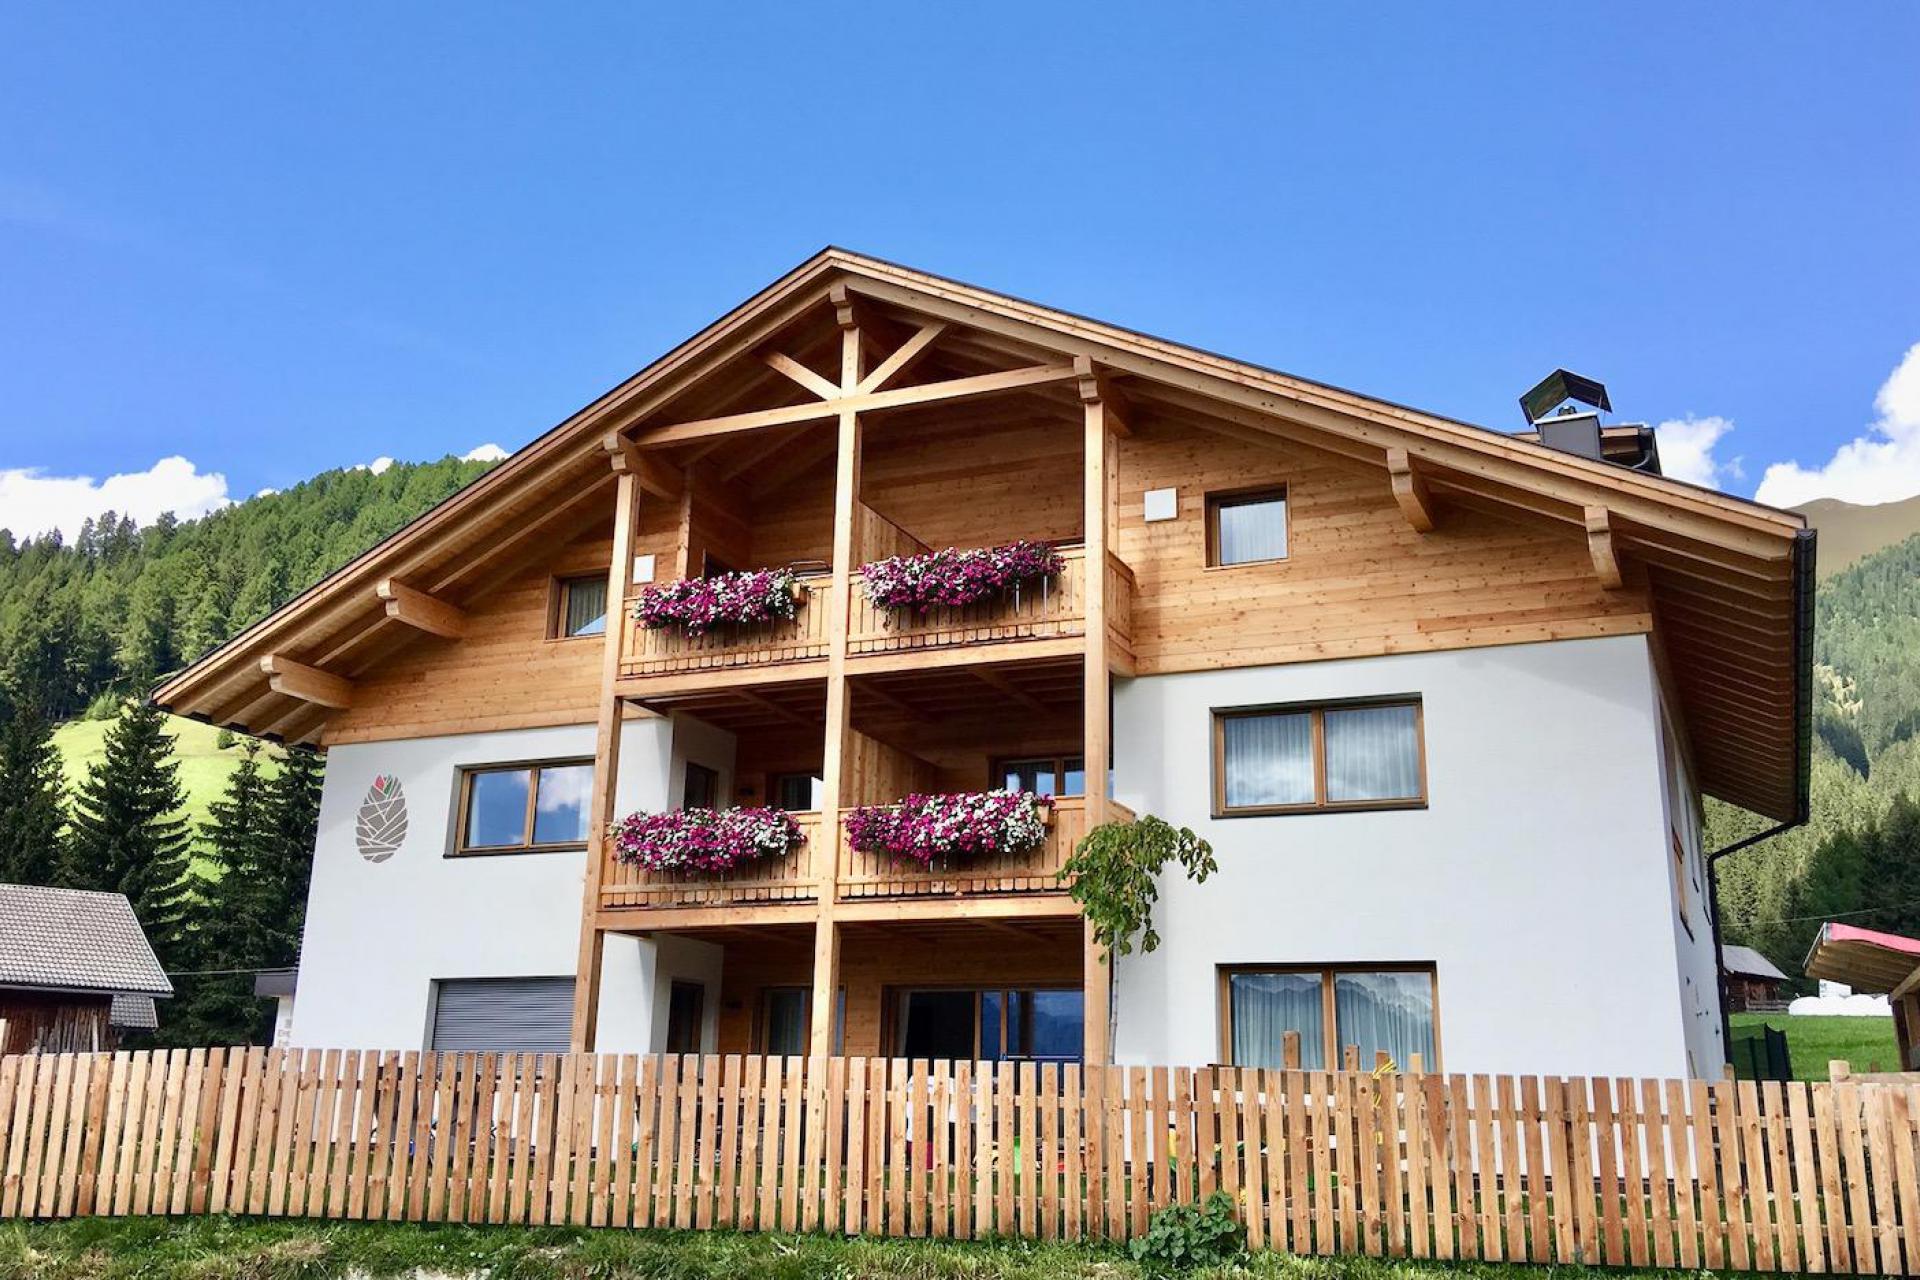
(1729, 581)
(1748, 963)
(75, 940)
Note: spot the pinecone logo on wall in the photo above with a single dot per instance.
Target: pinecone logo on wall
(382, 824)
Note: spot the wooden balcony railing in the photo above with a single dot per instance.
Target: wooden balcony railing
(788, 879)
(646, 653)
(876, 875)
(1039, 610)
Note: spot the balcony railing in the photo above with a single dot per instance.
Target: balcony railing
(877, 875)
(1038, 610)
(788, 879)
(647, 653)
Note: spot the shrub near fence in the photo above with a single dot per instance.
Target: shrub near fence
(1670, 1173)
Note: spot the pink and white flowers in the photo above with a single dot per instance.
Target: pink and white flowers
(698, 605)
(967, 825)
(954, 577)
(705, 839)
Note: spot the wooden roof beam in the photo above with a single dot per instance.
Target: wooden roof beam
(903, 358)
(309, 684)
(656, 477)
(1410, 491)
(1606, 562)
(985, 384)
(421, 611)
(767, 706)
(1096, 387)
(1001, 685)
(801, 374)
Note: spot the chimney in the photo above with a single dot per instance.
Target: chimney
(1563, 412)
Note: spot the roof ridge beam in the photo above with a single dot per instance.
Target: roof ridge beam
(1410, 491)
(1606, 561)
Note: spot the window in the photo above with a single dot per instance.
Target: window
(701, 788)
(502, 1015)
(1247, 528)
(1299, 759)
(580, 607)
(686, 1016)
(1680, 882)
(786, 1021)
(996, 1025)
(1044, 775)
(1375, 1009)
(525, 808)
(796, 792)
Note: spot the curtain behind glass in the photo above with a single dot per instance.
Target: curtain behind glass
(1269, 759)
(1390, 1011)
(787, 1029)
(586, 600)
(1373, 753)
(1252, 530)
(1268, 1005)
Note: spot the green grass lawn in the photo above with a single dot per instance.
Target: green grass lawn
(251, 1249)
(1814, 1042)
(204, 768)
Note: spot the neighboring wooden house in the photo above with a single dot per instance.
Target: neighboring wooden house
(1870, 962)
(75, 970)
(1444, 699)
(1752, 980)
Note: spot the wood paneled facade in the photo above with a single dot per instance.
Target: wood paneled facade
(856, 410)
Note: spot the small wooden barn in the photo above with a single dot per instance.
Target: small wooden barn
(1753, 981)
(75, 970)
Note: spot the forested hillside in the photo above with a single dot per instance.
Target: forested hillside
(121, 606)
(1860, 856)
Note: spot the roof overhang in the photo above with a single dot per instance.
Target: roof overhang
(1729, 582)
(1867, 960)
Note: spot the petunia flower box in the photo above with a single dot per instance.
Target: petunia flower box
(710, 840)
(952, 577)
(952, 828)
(695, 606)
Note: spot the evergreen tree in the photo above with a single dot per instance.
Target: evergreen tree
(129, 835)
(31, 815)
(215, 1003)
(293, 823)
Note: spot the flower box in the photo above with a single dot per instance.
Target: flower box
(923, 828)
(951, 577)
(705, 839)
(696, 606)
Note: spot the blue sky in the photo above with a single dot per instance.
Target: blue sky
(270, 240)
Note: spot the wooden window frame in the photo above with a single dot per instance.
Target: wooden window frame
(763, 1015)
(1242, 497)
(461, 849)
(1329, 1022)
(1317, 711)
(997, 769)
(893, 1001)
(559, 586)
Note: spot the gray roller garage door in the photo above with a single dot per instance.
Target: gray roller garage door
(503, 1015)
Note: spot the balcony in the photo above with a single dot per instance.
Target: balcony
(788, 879)
(871, 875)
(668, 651)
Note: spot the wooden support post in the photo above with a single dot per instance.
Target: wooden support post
(1410, 491)
(1606, 560)
(835, 759)
(606, 760)
(1097, 475)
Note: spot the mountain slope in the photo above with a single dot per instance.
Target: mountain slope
(1850, 532)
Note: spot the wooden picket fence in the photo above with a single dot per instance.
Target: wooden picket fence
(1671, 1173)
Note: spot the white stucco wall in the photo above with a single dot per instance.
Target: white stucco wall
(378, 935)
(1536, 880)
(1698, 969)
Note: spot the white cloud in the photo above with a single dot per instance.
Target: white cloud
(378, 466)
(1686, 450)
(32, 502)
(1880, 466)
(266, 493)
(488, 452)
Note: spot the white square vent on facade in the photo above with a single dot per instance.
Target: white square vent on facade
(643, 568)
(1162, 504)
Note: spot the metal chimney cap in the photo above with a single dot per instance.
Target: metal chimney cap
(1560, 386)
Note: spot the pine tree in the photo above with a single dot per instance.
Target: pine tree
(293, 823)
(31, 814)
(129, 835)
(216, 1004)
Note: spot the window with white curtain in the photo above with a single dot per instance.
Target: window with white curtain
(1247, 528)
(1373, 1010)
(1313, 757)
